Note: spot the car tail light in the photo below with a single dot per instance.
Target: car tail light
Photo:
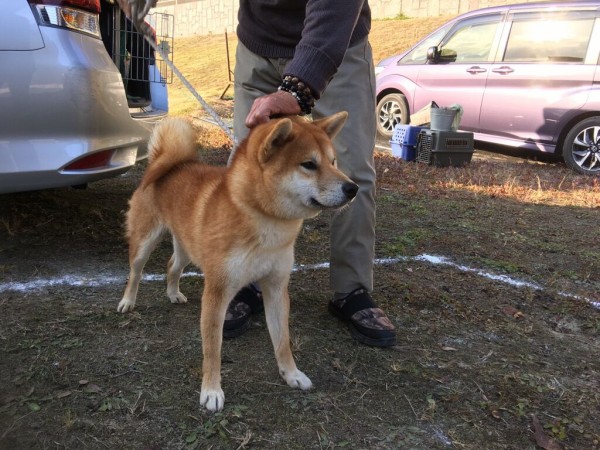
(76, 15)
(93, 161)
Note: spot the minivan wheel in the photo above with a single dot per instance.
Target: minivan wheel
(581, 149)
(391, 110)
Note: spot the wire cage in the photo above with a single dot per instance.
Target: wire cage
(133, 55)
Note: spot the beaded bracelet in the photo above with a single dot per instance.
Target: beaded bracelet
(300, 91)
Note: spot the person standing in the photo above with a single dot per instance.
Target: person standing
(314, 57)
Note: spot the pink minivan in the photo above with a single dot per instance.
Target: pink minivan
(526, 75)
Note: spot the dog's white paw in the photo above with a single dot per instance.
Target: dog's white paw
(212, 399)
(297, 379)
(178, 297)
(126, 305)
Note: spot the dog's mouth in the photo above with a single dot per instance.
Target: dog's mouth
(317, 204)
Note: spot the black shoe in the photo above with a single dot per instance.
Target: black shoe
(368, 324)
(246, 302)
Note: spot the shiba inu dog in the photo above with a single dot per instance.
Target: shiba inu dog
(237, 223)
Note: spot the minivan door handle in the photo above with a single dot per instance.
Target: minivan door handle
(476, 69)
(503, 70)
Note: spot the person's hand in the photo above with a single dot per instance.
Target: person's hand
(124, 5)
(137, 10)
(279, 103)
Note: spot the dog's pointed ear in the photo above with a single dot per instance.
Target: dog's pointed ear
(332, 124)
(277, 137)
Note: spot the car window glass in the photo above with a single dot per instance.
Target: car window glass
(418, 55)
(551, 40)
(471, 42)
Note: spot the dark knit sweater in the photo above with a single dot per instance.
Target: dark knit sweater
(313, 33)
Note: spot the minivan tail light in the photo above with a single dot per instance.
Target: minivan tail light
(75, 15)
(92, 6)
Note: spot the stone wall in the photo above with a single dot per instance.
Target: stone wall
(203, 17)
(200, 17)
(386, 9)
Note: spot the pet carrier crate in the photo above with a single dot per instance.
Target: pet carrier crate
(133, 54)
(444, 148)
(142, 69)
(404, 141)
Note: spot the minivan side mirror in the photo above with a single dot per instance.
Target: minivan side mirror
(437, 56)
(433, 55)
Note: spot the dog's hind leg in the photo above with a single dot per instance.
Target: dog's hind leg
(177, 263)
(141, 246)
(277, 310)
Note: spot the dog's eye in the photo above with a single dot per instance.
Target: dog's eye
(309, 165)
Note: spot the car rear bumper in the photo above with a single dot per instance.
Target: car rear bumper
(71, 104)
(47, 164)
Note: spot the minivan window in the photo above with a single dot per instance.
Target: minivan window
(418, 55)
(553, 40)
(471, 40)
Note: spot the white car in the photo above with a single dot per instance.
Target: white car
(79, 93)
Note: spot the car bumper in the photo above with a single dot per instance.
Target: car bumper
(70, 103)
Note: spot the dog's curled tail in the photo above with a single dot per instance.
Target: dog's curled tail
(173, 141)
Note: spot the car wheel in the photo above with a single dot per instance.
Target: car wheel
(391, 110)
(581, 149)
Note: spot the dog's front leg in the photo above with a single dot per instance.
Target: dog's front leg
(214, 308)
(277, 310)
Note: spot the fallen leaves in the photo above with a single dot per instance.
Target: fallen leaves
(512, 311)
(541, 439)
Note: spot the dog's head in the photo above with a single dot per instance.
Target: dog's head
(293, 166)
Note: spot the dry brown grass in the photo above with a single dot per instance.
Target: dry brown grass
(522, 181)
(530, 185)
(203, 59)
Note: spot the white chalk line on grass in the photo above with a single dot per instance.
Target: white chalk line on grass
(104, 280)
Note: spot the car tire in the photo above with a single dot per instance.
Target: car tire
(391, 110)
(581, 147)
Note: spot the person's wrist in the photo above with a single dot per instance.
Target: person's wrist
(300, 91)
(289, 103)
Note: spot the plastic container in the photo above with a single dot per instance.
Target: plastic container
(404, 141)
(443, 119)
(405, 152)
(444, 148)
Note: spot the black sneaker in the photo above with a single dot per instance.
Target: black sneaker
(368, 324)
(246, 302)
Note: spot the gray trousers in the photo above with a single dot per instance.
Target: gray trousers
(352, 232)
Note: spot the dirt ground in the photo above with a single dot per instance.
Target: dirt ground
(489, 272)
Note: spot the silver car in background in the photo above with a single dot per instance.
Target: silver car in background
(79, 93)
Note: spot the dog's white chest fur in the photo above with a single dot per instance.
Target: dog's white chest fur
(273, 253)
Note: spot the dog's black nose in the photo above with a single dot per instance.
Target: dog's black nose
(349, 189)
